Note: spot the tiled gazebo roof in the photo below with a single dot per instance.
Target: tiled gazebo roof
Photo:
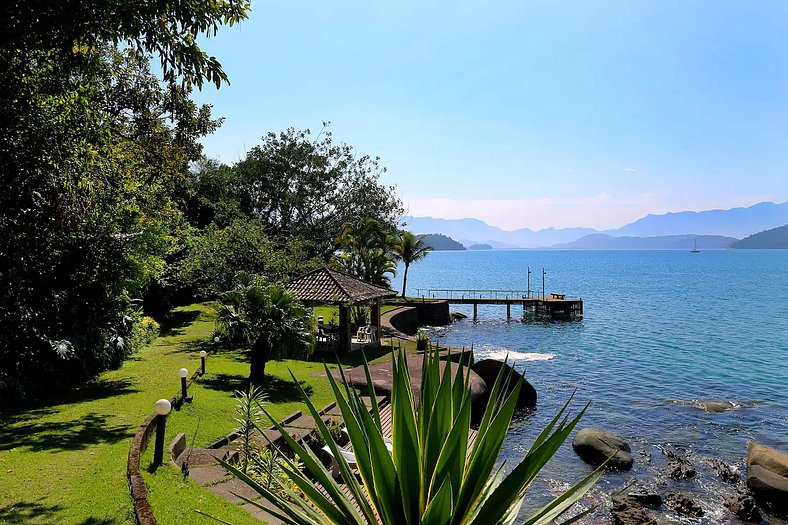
(331, 287)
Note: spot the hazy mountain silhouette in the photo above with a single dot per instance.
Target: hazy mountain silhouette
(736, 223)
(776, 238)
(600, 241)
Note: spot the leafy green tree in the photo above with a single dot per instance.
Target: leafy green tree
(270, 320)
(92, 151)
(169, 30)
(309, 188)
(410, 249)
(215, 257)
(430, 475)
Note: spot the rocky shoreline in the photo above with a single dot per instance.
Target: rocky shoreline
(763, 494)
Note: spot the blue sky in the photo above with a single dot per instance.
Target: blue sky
(525, 113)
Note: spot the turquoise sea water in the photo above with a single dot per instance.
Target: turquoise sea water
(661, 331)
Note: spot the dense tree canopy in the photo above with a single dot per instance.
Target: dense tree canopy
(168, 30)
(298, 187)
(107, 202)
(94, 152)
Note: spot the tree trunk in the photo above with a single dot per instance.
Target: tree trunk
(258, 359)
(405, 280)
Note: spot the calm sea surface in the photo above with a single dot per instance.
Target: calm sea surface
(662, 330)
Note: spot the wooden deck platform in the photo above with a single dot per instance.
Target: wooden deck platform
(554, 305)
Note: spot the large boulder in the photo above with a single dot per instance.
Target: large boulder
(382, 376)
(628, 511)
(683, 504)
(594, 446)
(743, 506)
(488, 370)
(767, 477)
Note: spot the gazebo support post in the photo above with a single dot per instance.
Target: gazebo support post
(375, 317)
(345, 334)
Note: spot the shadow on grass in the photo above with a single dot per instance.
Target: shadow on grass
(284, 391)
(353, 359)
(194, 346)
(75, 434)
(224, 382)
(176, 321)
(93, 391)
(277, 389)
(27, 511)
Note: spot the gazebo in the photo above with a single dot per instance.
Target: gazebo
(326, 286)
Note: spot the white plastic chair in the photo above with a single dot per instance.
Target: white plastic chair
(349, 457)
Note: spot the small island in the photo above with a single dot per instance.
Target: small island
(440, 242)
(480, 247)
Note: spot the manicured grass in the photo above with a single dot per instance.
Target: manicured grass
(65, 462)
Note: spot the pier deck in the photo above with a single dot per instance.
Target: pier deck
(554, 305)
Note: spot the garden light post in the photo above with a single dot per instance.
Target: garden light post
(215, 343)
(183, 373)
(162, 408)
(203, 355)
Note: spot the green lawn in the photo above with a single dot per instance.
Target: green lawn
(65, 462)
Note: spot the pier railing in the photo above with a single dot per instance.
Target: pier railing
(450, 293)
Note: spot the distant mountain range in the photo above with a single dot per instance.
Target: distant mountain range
(600, 241)
(776, 238)
(735, 223)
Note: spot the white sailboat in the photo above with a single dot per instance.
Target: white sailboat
(695, 249)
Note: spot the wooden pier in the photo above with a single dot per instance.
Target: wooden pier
(552, 306)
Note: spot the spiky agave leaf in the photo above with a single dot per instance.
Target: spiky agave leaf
(430, 477)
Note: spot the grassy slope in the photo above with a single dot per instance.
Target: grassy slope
(65, 462)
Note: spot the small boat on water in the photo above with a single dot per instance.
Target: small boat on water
(695, 249)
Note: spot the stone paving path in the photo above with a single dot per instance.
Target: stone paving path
(205, 470)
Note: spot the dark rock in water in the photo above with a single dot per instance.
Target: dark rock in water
(683, 504)
(728, 473)
(457, 316)
(647, 498)
(594, 446)
(679, 467)
(743, 506)
(627, 511)
(717, 406)
(767, 477)
(488, 370)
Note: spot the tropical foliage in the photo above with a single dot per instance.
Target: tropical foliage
(432, 475)
(367, 251)
(250, 418)
(267, 318)
(409, 249)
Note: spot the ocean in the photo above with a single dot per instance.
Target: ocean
(662, 332)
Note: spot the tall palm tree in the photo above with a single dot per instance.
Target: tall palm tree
(270, 320)
(410, 249)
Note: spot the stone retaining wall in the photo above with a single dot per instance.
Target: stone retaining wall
(429, 312)
(404, 320)
(143, 512)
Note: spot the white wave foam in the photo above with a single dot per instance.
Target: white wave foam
(501, 353)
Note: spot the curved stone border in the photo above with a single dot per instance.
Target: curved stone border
(401, 322)
(143, 512)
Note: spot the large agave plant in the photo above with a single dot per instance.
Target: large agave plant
(430, 476)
